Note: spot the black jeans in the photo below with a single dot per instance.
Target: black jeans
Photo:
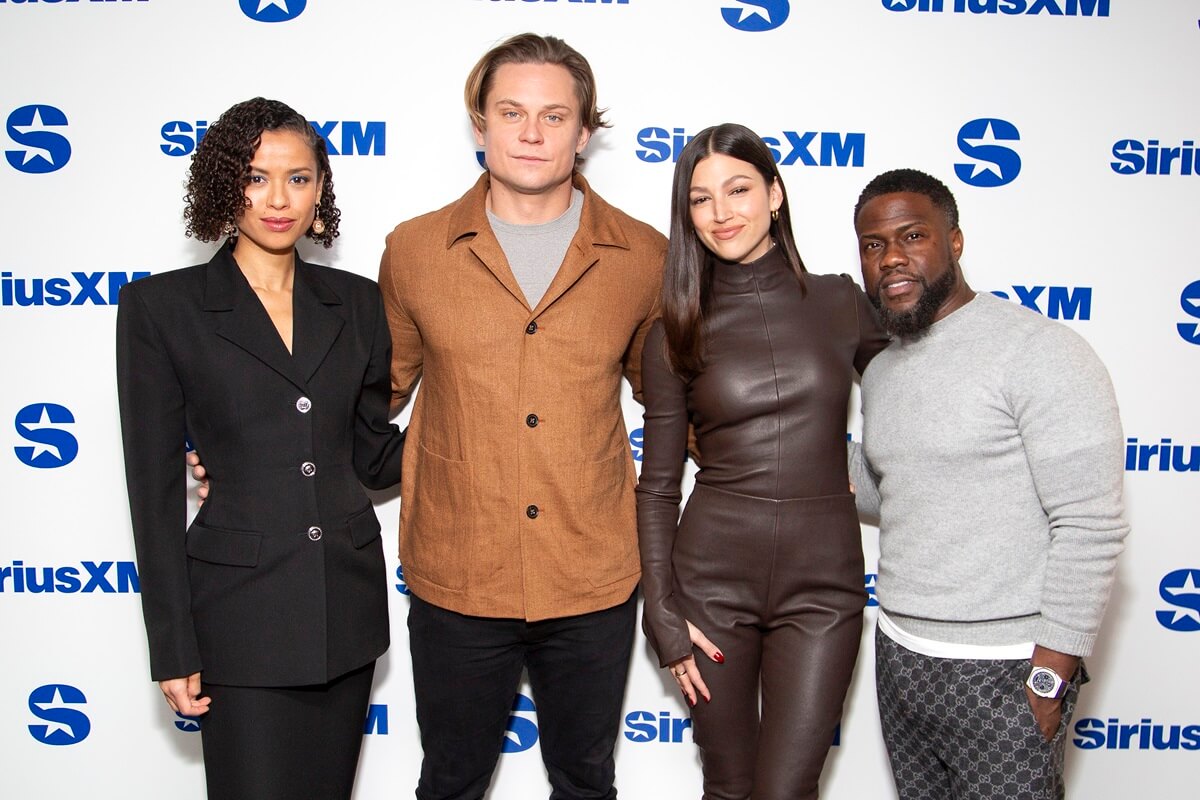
(466, 671)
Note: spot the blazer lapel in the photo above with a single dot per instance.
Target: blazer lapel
(316, 325)
(596, 229)
(242, 319)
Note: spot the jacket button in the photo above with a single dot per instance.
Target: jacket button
(308, 469)
(303, 405)
(531, 328)
(532, 512)
(314, 533)
(532, 420)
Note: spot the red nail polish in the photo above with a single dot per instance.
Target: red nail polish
(719, 657)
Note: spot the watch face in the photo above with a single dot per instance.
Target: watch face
(1042, 682)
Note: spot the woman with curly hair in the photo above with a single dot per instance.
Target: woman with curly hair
(754, 597)
(266, 614)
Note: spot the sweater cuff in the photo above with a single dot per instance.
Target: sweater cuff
(1064, 640)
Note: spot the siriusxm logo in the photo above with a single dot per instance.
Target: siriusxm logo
(41, 149)
(342, 138)
(808, 148)
(994, 164)
(59, 705)
(522, 730)
(1145, 734)
(106, 577)
(1189, 301)
(754, 16)
(635, 442)
(187, 724)
(272, 10)
(81, 288)
(1062, 302)
(1180, 589)
(644, 726)
(53, 447)
(1054, 8)
(401, 584)
(1135, 157)
(1161, 457)
(869, 581)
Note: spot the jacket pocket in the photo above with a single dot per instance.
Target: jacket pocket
(607, 529)
(221, 546)
(437, 534)
(364, 527)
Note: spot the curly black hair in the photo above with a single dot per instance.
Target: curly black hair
(220, 169)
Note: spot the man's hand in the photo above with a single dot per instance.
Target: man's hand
(200, 474)
(1048, 711)
(183, 695)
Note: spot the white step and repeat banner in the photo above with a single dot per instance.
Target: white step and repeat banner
(1066, 128)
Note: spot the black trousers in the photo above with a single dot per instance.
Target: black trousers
(283, 743)
(466, 671)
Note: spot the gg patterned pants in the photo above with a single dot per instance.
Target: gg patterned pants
(962, 729)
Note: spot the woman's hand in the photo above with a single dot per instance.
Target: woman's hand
(200, 474)
(687, 674)
(183, 695)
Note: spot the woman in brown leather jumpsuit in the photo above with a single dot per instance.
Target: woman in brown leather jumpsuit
(764, 571)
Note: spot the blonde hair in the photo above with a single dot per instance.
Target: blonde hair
(530, 48)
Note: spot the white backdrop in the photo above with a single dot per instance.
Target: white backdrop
(1051, 120)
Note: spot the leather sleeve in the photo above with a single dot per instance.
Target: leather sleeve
(665, 437)
(872, 338)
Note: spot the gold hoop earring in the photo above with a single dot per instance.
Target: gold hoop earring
(775, 215)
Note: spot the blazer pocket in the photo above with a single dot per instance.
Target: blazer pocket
(364, 527)
(608, 526)
(437, 536)
(220, 546)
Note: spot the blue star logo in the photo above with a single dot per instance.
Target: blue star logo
(1180, 589)
(1189, 301)
(272, 10)
(522, 731)
(60, 707)
(755, 16)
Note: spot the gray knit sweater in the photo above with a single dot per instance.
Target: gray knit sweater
(993, 458)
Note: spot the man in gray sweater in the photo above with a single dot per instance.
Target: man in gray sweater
(992, 456)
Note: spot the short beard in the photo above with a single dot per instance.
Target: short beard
(914, 322)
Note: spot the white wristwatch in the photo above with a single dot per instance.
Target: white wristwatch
(1045, 682)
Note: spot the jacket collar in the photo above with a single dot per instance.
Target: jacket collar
(242, 320)
(598, 227)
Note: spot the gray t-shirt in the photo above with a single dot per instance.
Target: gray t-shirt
(535, 252)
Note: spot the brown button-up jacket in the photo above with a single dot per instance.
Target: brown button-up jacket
(517, 496)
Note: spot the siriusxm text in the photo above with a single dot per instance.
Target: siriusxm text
(1145, 734)
(1055, 8)
(808, 148)
(1062, 302)
(80, 288)
(1135, 157)
(342, 138)
(1164, 456)
(107, 577)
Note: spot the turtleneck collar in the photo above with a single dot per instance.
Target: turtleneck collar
(769, 264)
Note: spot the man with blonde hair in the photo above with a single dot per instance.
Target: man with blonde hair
(519, 307)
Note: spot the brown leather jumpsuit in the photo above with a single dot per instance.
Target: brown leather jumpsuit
(767, 558)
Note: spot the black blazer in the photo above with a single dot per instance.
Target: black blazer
(280, 580)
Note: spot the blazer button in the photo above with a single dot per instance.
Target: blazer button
(532, 512)
(308, 469)
(303, 405)
(531, 328)
(314, 533)
(532, 420)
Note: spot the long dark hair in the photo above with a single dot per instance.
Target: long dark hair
(687, 278)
